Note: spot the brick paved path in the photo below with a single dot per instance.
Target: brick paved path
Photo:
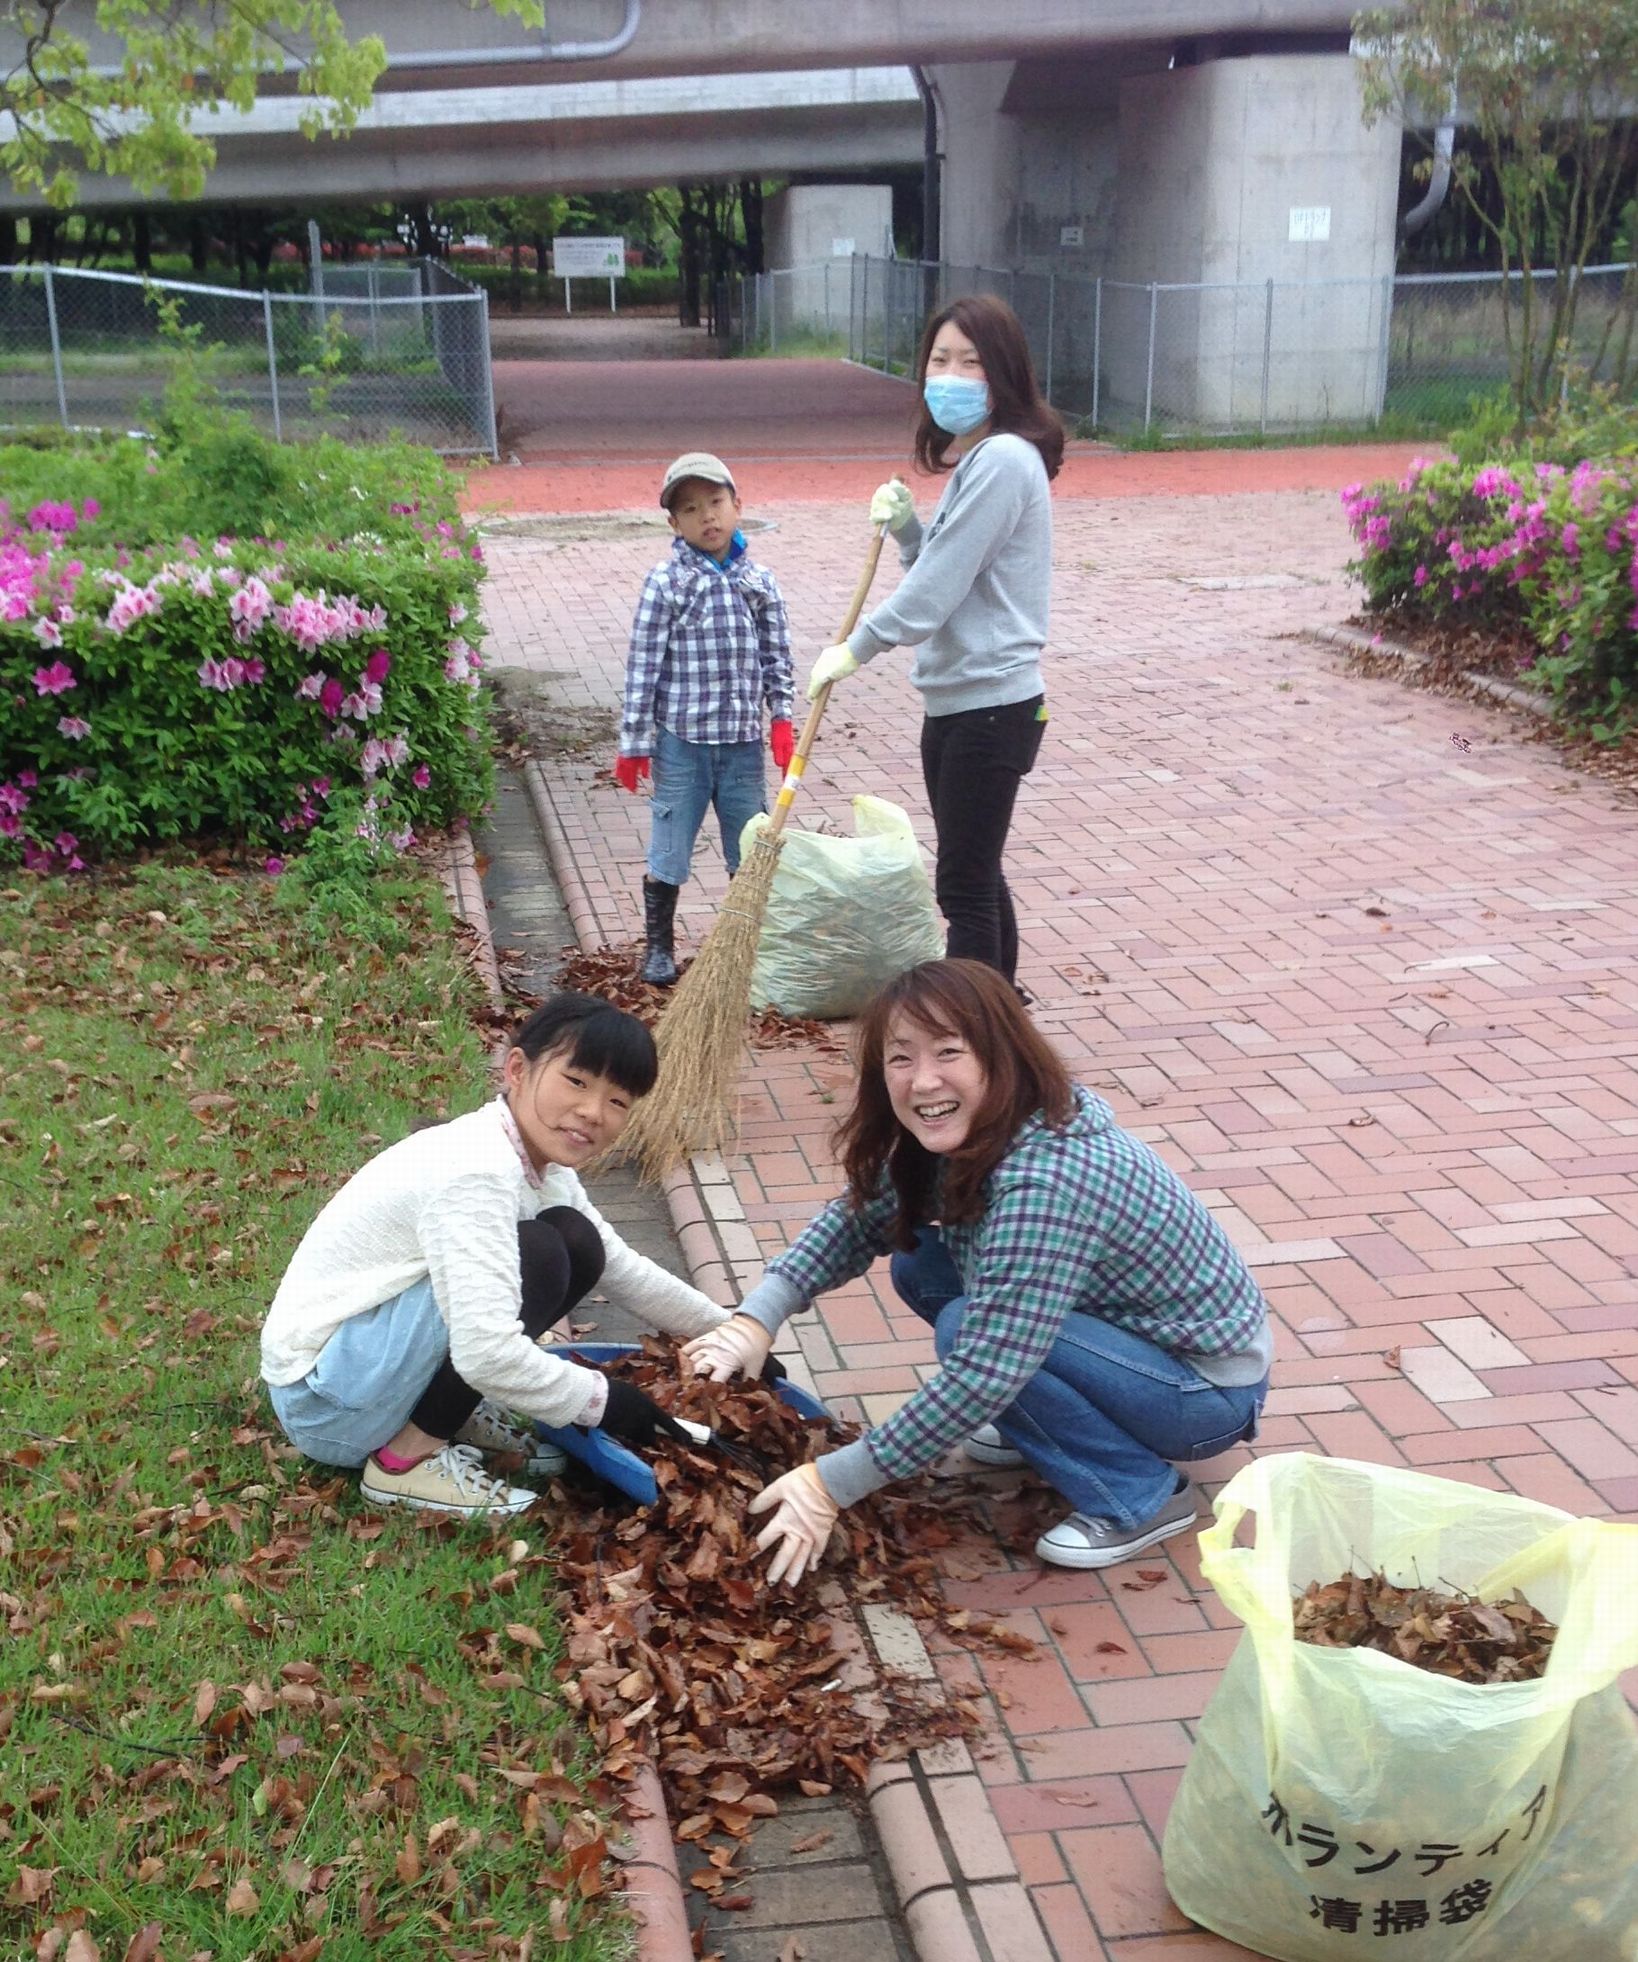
(1371, 992)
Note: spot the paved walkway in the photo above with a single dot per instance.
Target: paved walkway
(1369, 989)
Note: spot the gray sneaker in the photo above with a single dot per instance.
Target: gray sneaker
(487, 1430)
(1081, 1541)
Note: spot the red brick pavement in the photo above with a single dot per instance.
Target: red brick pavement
(1371, 993)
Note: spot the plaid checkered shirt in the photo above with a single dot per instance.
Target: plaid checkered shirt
(710, 645)
(1086, 1220)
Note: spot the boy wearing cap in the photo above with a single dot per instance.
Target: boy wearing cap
(710, 647)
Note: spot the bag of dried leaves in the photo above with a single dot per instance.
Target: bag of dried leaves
(1419, 1748)
(1091, 1318)
(407, 1328)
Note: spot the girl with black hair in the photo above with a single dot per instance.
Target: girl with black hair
(973, 603)
(409, 1319)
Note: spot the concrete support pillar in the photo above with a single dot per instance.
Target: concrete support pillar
(1234, 174)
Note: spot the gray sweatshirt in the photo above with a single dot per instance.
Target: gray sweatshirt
(974, 597)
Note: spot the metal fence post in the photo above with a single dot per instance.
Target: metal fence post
(1052, 302)
(773, 313)
(1149, 383)
(487, 429)
(56, 346)
(272, 365)
(1268, 351)
(864, 318)
(1097, 345)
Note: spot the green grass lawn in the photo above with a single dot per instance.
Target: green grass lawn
(237, 1710)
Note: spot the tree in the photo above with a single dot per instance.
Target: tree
(1542, 92)
(132, 108)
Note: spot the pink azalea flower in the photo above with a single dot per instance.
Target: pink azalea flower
(55, 680)
(74, 727)
(421, 776)
(331, 697)
(273, 867)
(378, 666)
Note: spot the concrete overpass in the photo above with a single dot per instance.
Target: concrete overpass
(487, 137)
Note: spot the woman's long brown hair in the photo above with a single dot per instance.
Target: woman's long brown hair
(1017, 406)
(1024, 1076)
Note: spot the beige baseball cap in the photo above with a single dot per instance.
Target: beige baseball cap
(695, 463)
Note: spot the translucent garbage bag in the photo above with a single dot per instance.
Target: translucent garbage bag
(846, 914)
(1342, 1804)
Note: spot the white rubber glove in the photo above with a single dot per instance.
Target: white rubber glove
(892, 505)
(736, 1347)
(834, 664)
(800, 1530)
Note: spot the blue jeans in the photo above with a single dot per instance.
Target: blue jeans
(689, 778)
(1107, 1414)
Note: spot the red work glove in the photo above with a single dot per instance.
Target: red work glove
(782, 743)
(629, 771)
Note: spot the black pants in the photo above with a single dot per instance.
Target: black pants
(972, 764)
(560, 1261)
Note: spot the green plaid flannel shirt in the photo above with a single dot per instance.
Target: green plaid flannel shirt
(1086, 1220)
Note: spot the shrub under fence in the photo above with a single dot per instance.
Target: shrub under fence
(268, 689)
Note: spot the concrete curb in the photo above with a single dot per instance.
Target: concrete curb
(653, 1887)
(957, 1883)
(1354, 640)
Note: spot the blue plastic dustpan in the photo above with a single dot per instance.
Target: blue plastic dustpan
(615, 1463)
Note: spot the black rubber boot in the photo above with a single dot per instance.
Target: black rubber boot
(659, 922)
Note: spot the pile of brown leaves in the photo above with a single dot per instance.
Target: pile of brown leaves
(1450, 1634)
(615, 974)
(680, 1650)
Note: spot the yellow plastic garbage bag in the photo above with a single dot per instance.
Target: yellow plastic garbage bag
(846, 915)
(1343, 1805)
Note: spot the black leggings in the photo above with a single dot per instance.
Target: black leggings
(560, 1261)
(973, 763)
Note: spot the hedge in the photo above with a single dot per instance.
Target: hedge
(245, 689)
(1548, 548)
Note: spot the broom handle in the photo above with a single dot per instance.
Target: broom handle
(810, 728)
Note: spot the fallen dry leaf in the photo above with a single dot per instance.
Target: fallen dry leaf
(1454, 1635)
(242, 1897)
(813, 1842)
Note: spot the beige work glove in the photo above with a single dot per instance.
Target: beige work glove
(892, 505)
(800, 1530)
(736, 1347)
(834, 664)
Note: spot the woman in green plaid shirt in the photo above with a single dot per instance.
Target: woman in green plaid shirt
(1091, 1318)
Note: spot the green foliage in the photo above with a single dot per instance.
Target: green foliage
(1587, 422)
(1541, 88)
(140, 115)
(1524, 544)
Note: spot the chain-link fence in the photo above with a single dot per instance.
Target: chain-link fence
(372, 352)
(1274, 356)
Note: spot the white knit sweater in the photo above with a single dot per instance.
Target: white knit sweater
(446, 1203)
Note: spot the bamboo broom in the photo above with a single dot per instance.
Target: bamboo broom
(701, 1033)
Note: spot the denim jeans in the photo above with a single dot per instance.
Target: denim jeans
(391, 1364)
(1108, 1413)
(689, 778)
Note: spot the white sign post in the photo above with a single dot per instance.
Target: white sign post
(588, 258)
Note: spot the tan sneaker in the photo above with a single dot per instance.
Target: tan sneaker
(451, 1481)
(487, 1430)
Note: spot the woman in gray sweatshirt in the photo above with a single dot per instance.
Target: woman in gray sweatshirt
(973, 603)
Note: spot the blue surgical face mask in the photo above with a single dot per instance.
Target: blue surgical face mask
(957, 403)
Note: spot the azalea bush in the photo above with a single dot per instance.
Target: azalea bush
(1540, 546)
(252, 690)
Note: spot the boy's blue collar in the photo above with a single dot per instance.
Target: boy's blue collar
(737, 549)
